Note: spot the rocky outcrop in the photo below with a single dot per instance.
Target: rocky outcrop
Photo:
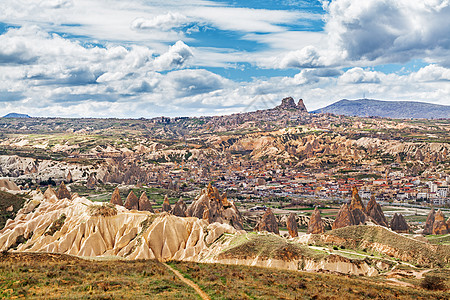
(375, 212)
(179, 208)
(115, 198)
(212, 206)
(344, 217)
(315, 225)
(429, 223)
(144, 203)
(357, 208)
(84, 228)
(132, 201)
(63, 192)
(49, 193)
(91, 181)
(8, 185)
(289, 104)
(439, 225)
(69, 177)
(354, 213)
(301, 106)
(398, 224)
(166, 204)
(291, 224)
(268, 223)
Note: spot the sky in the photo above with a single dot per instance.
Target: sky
(143, 58)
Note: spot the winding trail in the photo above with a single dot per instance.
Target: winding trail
(199, 291)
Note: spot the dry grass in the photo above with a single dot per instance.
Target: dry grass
(56, 276)
(268, 246)
(243, 282)
(105, 209)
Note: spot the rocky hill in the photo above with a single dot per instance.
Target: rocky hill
(16, 115)
(387, 109)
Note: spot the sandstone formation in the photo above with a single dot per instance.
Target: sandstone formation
(69, 177)
(291, 224)
(212, 206)
(357, 208)
(131, 202)
(144, 203)
(166, 204)
(49, 193)
(8, 185)
(91, 181)
(354, 213)
(398, 224)
(115, 198)
(179, 208)
(84, 228)
(439, 225)
(289, 104)
(63, 192)
(429, 223)
(375, 212)
(315, 225)
(268, 223)
(344, 218)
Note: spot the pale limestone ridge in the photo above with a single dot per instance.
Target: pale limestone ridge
(68, 226)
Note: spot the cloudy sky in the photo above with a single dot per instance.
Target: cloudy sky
(144, 58)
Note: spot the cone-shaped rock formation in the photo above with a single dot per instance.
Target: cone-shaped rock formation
(63, 192)
(357, 208)
(429, 223)
(292, 226)
(144, 203)
(268, 223)
(166, 204)
(344, 218)
(439, 225)
(180, 208)
(212, 206)
(115, 198)
(398, 224)
(315, 225)
(375, 212)
(50, 192)
(132, 201)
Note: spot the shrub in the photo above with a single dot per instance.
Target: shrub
(335, 248)
(105, 210)
(432, 282)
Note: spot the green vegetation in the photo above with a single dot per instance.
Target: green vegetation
(57, 276)
(244, 282)
(6, 201)
(56, 225)
(360, 237)
(267, 246)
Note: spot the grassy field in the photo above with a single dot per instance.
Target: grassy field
(6, 200)
(56, 276)
(53, 276)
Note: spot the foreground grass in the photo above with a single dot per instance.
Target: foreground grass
(243, 282)
(52, 276)
(55, 276)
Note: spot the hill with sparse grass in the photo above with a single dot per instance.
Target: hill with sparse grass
(387, 109)
(9, 206)
(377, 239)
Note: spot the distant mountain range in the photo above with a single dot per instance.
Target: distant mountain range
(387, 109)
(16, 115)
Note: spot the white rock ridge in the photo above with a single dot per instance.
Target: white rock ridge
(68, 226)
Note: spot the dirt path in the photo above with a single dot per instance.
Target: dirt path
(189, 282)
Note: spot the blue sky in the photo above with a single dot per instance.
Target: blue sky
(142, 58)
